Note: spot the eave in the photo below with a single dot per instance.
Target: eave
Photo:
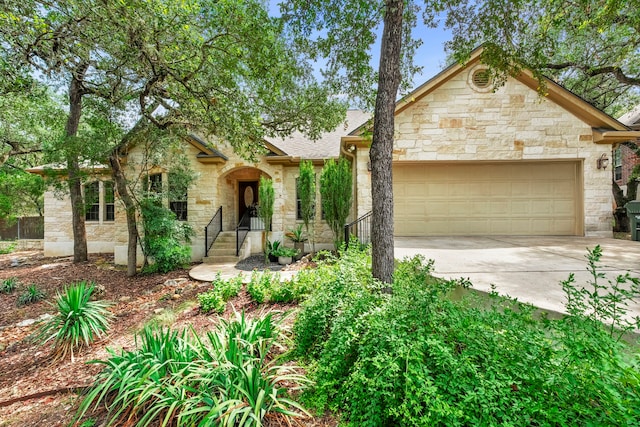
(606, 136)
(291, 161)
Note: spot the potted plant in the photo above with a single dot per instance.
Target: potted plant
(285, 255)
(295, 236)
(272, 248)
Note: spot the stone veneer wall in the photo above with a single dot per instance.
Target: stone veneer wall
(58, 232)
(457, 123)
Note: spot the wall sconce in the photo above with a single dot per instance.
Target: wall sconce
(351, 148)
(603, 161)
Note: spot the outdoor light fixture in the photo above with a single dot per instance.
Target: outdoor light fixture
(351, 148)
(603, 161)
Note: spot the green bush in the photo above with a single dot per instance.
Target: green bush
(30, 295)
(216, 298)
(166, 240)
(417, 357)
(78, 321)
(178, 379)
(9, 285)
(8, 248)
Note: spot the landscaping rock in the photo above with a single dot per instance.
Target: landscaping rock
(175, 282)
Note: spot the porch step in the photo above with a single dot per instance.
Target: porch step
(224, 249)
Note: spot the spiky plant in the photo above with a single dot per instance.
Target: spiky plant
(78, 322)
(30, 295)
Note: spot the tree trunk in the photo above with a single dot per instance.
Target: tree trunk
(130, 209)
(73, 168)
(381, 154)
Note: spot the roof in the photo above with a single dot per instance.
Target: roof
(327, 146)
(632, 118)
(62, 167)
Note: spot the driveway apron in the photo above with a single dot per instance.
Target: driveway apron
(524, 267)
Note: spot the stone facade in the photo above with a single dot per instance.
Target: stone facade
(456, 122)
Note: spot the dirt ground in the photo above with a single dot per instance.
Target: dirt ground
(34, 390)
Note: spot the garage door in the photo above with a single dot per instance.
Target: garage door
(524, 198)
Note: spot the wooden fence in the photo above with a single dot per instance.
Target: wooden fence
(28, 227)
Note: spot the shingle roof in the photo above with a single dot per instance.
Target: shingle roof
(632, 118)
(298, 145)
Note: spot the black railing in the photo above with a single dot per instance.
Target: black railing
(244, 225)
(212, 230)
(360, 228)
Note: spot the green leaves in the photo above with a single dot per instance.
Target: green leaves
(336, 191)
(177, 379)
(78, 321)
(422, 356)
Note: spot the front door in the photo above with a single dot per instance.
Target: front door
(247, 196)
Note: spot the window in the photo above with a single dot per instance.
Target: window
(617, 164)
(155, 183)
(177, 197)
(99, 201)
(92, 201)
(109, 199)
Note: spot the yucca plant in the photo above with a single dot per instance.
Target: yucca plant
(30, 295)
(78, 322)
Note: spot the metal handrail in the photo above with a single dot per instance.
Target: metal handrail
(244, 225)
(360, 228)
(212, 230)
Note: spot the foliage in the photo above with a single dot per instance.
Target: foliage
(307, 194)
(216, 298)
(284, 251)
(588, 48)
(164, 236)
(8, 285)
(21, 193)
(7, 249)
(78, 321)
(295, 235)
(607, 303)
(267, 286)
(266, 198)
(336, 191)
(179, 379)
(418, 356)
(272, 247)
(30, 295)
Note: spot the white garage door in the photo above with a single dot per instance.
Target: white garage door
(524, 198)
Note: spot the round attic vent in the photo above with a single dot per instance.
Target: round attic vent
(481, 78)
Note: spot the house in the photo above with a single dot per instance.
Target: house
(625, 157)
(469, 159)
(473, 159)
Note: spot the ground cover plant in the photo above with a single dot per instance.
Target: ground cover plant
(30, 295)
(8, 285)
(417, 357)
(215, 299)
(229, 377)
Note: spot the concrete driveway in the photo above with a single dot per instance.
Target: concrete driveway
(527, 268)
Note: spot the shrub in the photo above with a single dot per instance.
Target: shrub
(417, 357)
(8, 285)
(260, 285)
(7, 249)
(78, 321)
(30, 295)
(165, 238)
(216, 298)
(179, 379)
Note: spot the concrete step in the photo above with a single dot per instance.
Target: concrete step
(222, 259)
